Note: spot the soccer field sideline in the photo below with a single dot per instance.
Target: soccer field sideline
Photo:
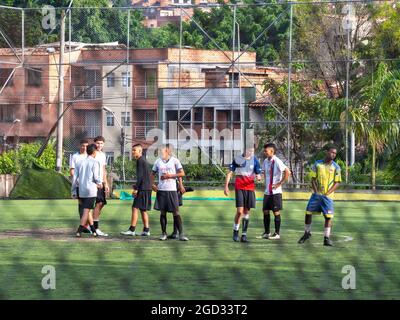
(350, 195)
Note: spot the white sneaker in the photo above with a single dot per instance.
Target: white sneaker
(163, 237)
(101, 233)
(145, 233)
(275, 236)
(265, 235)
(128, 233)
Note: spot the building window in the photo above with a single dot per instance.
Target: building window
(236, 115)
(111, 80)
(110, 119)
(125, 119)
(4, 75)
(7, 113)
(34, 113)
(234, 79)
(34, 77)
(110, 158)
(126, 79)
(198, 114)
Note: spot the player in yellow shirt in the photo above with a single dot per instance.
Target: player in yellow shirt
(325, 180)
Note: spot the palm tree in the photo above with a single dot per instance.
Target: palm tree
(376, 104)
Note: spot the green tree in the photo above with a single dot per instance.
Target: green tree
(375, 111)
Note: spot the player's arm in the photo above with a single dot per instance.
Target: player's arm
(314, 184)
(227, 180)
(71, 172)
(232, 168)
(180, 185)
(337, 180)
(106, 186)
(74, 184)
(286, 175)
(333, 188)
(257, 170)
(179, 174)
(152, 178)
(96, 175)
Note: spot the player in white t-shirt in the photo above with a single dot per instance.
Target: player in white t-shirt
(75, 159)
(101, 194)
(168, 168)
(275, 173)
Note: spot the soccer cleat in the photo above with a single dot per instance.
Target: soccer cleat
(183, 238)
(78, 234)
(173, 236)
(86, 230)
(305, 237)
(328, 242)
(265, 235)
(145, 233)
(128, 233)
(163, 237)
(244, 238)
(101, 233)
(235, 235)
(275, 236)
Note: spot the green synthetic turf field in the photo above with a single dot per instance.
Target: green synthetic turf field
(210, 266)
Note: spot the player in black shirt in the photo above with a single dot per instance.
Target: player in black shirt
(141, 193)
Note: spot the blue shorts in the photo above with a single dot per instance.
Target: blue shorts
(319, 203)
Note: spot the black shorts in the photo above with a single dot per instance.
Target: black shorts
(142, 200)
(101, 196)
(88, 203)
(167, 201)
(272, 202)
(245, 199)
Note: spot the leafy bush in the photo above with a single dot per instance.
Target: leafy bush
(15, 161)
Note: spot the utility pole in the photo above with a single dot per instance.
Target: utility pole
(60, 127)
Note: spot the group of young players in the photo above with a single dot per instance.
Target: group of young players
(89, 186)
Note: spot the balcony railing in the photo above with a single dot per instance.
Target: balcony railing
(88, 131)
(145, 92)
(141, 131)
(34, 119)
(90, 93)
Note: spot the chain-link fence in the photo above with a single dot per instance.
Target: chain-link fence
(210, 78)
(298, 72)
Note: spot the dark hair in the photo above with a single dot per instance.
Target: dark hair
(83, 141)
(270, 145)
(137, 145)
(169, 146)
(99, 138)
(91, 148)
(329, 148)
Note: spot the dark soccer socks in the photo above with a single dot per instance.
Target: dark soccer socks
(267, 222)
(178, 223)
(245, 224)
(96, 224)
(132, 228)
(163, 222)
(277, 221)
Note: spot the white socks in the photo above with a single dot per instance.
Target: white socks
(307, 228)
(327, 232)
(236, 227)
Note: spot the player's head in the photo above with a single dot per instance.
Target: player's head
(99, 141)
(166, 151)
(249, 152)
(83, 145)
(331, 153)
(269, 150)
(137, 150)
(91, 149)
